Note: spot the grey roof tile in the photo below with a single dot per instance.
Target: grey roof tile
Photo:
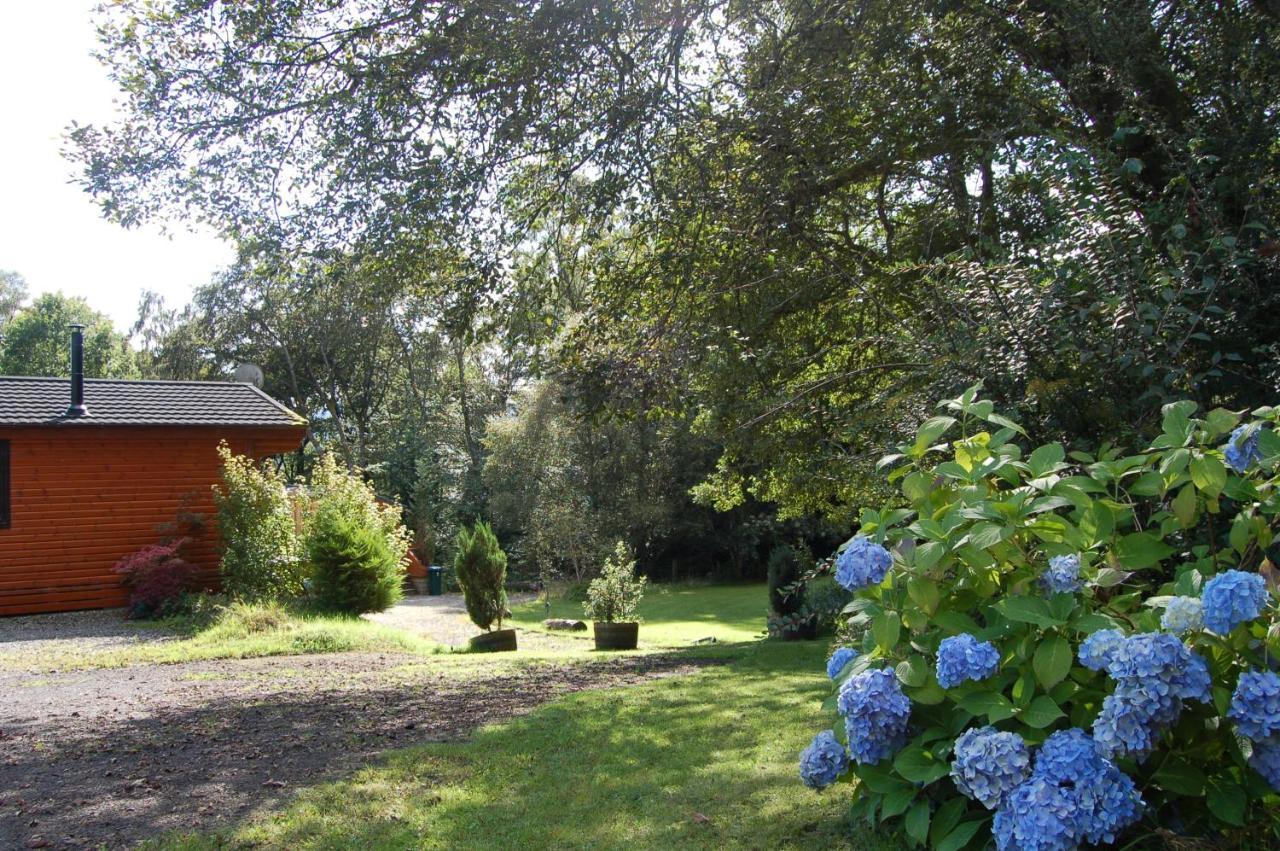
(44, 401)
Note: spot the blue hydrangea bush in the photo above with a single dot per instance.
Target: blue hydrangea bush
(1054, 650)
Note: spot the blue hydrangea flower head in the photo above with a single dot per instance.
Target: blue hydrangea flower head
(1126, 725)
(1075, 796)
(1068, 755)
(1095, 651)
(1255, 706)
(841, 657)
(1106, 800)
(1242, 452)
(822, 763)
(1183, 615)
(1154, 673)
(876, 714)
(1063, 575)
(963, 657)
(862, 564)
(990, 764)
(1233, 598)
(1038, 816)
(1265, 760)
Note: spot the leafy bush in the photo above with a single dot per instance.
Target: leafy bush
(786, 580)
(481, 566)
(352, 567)
(612, 597)
(157, 578)
(335, 489)
(824, 603)
(355, 546)
(789, 573)
(1065, 648)
(256, 524)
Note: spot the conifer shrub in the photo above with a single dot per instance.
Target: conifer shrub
(353, 569)
(354, 545)
(481, 568)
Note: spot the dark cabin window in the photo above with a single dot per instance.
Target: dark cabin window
(4, 484)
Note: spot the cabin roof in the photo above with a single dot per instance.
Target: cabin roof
(44, 401)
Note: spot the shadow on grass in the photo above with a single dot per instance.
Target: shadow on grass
(151, 751)
(706, 761)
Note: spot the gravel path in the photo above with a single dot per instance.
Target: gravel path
(106, 758)
(444, 619)
(103, 629)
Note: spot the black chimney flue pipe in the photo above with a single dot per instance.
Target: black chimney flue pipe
(78, 408)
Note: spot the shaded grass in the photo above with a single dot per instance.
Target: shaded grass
(238, 631)
(701, 761)
(676, 615)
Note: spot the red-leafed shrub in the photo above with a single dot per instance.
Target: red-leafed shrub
(157, 577)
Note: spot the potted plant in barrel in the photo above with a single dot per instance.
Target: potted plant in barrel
(481, 567)
(612, 598)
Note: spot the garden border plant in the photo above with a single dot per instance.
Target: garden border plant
(1059, 649)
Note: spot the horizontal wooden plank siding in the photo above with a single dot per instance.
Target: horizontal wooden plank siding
(81, 497)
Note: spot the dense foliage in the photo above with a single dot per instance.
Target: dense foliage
(157, 577)
(481, 568)
(614, 595)
(335, 490)
(257, 531)
(1064, 648)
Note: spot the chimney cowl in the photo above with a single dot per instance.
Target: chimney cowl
(78, 407)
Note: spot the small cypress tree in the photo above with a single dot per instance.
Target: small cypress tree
(481, 567)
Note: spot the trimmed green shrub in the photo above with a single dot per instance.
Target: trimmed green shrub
(1060, 649)
(786, 580)
(481, 566)
(258, 535)
(353, 567)
(612, 597)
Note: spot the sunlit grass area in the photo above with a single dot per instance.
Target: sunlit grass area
(700, 761)
(239, 631)
(676, 615)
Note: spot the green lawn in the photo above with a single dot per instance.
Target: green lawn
(700, 761)
(677, 615)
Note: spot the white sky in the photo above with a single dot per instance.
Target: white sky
(50, 231)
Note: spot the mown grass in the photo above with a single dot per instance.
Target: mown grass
(238, 631)
(700, 761)
(675, 615)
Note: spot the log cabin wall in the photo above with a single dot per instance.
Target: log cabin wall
(82, 496)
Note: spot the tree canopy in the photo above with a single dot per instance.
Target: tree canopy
(36, 340)
(783, 227)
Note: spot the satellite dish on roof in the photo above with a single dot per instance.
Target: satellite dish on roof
(249, 373)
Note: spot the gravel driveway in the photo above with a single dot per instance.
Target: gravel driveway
(107, 758)
(444, 619)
